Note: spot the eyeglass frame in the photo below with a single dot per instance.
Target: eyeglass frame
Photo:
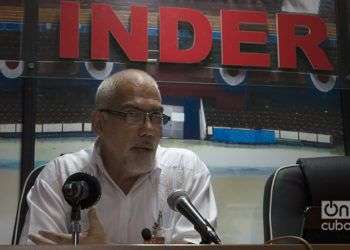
(164, 118)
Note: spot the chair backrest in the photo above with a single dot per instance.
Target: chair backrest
(22, 207)
(291, 192)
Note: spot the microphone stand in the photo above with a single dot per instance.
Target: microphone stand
(208, 234)
(75, 225)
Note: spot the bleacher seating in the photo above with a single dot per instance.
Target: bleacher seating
(56, 105)
(63, 103)
(307, 120)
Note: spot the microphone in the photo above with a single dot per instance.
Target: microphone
(146, 234)
(180, 202)
(81, 189)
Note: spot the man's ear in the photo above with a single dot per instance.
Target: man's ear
(97, 120)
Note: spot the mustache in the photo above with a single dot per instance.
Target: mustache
(147, 144)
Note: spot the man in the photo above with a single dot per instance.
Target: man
(136, 174)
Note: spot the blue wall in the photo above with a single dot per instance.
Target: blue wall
(248, 136)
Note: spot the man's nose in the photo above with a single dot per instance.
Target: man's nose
(147, 127)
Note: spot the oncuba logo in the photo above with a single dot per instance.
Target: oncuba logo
(336, 214)
(335, 210)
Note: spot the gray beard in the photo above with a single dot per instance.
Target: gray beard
(140, 166)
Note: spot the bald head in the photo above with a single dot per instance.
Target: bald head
(116, 86)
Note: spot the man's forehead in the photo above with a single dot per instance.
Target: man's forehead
(136, 95)
(154, 106)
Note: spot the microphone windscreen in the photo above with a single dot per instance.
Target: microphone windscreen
(146, 234)
(173, 198)
(94, 188)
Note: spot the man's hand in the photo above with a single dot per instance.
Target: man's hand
(95, 234)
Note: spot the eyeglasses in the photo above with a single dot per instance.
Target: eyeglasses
(137, 117)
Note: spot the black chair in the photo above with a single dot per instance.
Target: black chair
(22, 207)
(293, 195)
